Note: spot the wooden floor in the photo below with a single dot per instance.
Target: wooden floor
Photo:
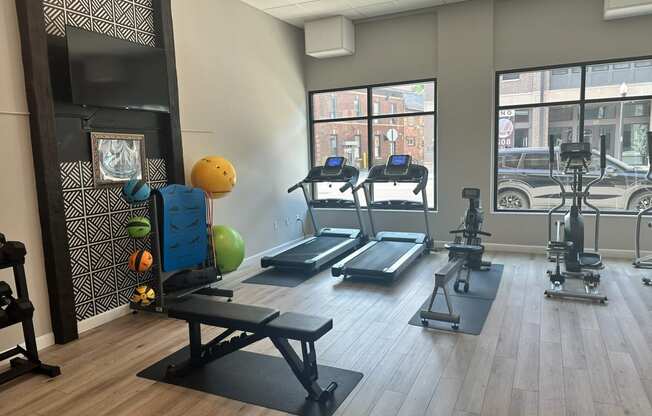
(534, 356)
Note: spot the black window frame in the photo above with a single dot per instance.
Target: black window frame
(370, 117)
(581, 102)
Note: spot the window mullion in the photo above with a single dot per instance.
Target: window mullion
(370, 130)
(580, 134)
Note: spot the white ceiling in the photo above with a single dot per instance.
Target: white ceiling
(296, 12)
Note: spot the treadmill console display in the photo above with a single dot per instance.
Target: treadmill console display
(398, 165)
(471, 193)
(333, 166)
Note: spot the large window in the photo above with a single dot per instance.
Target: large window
(401, 121)
(573, 103)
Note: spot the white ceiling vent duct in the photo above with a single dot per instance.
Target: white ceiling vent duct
(619, 9)
(329, 38)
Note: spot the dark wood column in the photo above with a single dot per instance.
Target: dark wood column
(173, 149)
(46, 165)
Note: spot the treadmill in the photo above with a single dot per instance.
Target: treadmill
(390, 253)
(311, 254)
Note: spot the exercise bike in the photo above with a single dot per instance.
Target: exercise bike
(644, 262)
(464, 255)
(568, 248)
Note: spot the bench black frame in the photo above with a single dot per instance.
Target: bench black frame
(305, 369)
(242, 332)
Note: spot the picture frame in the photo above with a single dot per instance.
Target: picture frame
(118, 157)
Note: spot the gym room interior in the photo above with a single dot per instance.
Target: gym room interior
(326, 207)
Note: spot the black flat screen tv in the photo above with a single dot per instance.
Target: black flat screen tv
(115, 73)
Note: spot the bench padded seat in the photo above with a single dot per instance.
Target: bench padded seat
(198, 308)
(300, 327)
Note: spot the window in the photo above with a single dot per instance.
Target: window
(336, 104)
(377, 146)
(520, 137)
(568, 104)
(522, 116)
(511, 77)
(402, 121)
(537, 87)
(536, 161)
(333, 151)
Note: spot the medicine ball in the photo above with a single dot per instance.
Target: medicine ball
(215, 175)
(135, 190)
(140, 261)
(229, 248)
(143, 295)
(139, 227)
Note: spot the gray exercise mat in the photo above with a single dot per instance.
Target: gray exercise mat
(473, 314)
(275, 277)
(261, 380)
(484, 285)
(473, 307)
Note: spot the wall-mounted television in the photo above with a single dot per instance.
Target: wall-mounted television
(115, 73)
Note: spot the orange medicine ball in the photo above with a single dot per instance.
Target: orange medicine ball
(213, 174)
(140, 261)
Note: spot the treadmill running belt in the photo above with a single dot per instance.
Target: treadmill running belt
(382, 255)
(312, 249)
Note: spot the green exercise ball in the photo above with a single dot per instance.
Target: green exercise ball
(229, 248)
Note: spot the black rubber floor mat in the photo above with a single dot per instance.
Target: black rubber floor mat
(473, 307)
(282, 278)
(257, 379)
(473, 314)
(483, 285)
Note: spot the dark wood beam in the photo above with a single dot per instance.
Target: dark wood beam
(46, 165)
(173, 148)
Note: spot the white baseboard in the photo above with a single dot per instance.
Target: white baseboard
(515, 248)
(47, 340)
(529, 249)
(253, 261)
(44, 341)
(101, 319)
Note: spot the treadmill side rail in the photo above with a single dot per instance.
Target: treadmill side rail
(267, 261)
(405, 260)
(340, 232)
(417, 238)
(338, 268)
(334, 252)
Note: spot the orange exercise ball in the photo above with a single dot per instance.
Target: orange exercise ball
(215, 175)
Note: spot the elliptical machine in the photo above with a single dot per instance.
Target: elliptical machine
(464, 255)
(569, 244)
(644, 262)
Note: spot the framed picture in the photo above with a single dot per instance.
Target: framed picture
(117, 157)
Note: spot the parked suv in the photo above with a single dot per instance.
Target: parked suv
(523, 182)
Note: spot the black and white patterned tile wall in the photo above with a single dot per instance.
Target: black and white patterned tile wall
(131, 20)
(97, 237)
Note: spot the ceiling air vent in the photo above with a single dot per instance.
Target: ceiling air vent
(329, 38)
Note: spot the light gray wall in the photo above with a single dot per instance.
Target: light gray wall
(242, 96)
(381, 54)
(472, 40)
(19, 218)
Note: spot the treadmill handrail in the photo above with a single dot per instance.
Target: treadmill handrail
(295, 187)
(416, 174)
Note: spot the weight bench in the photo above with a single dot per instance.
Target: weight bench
(254, 323)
